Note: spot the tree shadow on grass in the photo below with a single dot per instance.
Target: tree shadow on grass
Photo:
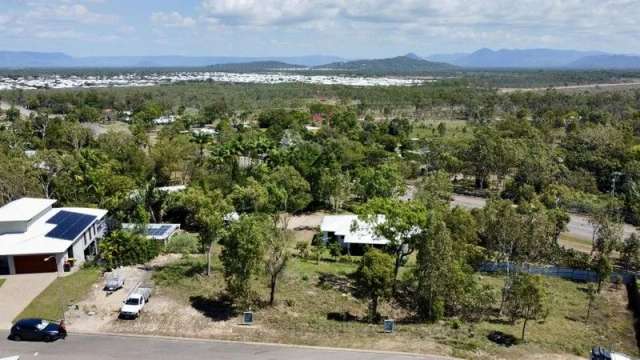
(219, 309)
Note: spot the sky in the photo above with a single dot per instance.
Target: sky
(347, 28)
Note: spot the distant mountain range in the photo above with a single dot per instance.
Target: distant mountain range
(539, 59)
(20, 59)
(409, 63)
(607, 62)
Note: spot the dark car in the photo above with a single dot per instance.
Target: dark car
(37, 330)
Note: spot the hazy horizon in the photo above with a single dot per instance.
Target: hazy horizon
(354, 29)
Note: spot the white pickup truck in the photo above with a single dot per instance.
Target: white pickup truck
(134, 303)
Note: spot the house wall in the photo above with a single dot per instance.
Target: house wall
(10, 227)
(90, 236)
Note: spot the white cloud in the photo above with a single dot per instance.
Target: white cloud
(66, 12)
(552, 16)
(267, 12)
(172, 19)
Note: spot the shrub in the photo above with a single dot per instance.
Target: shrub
(335, 249)
(183, 243)
(123, 248)
(303, 248)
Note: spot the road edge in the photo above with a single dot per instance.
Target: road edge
(255, 343)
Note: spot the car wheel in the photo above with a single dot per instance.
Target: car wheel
(16, 338)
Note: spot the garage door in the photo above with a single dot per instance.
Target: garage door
(29, 264)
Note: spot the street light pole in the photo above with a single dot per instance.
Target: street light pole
(60, 290)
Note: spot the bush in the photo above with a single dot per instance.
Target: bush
(303, 248)
(123, 248)
(335, 249)
(183, 243)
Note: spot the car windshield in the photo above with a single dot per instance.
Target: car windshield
(42, 325)
(132, 302)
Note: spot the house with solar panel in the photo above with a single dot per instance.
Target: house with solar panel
(35, 237)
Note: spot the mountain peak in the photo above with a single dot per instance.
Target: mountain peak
(413, 56)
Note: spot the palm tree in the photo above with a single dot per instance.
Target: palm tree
(201, 140)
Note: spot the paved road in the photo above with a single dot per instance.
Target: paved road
(578, 227)
(17, 292)
(99, 347)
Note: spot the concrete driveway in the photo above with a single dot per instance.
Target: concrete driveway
(18, 291)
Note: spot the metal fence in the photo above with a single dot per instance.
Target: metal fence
(550, 270)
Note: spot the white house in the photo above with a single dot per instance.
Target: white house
(35, 237)
(348, 230)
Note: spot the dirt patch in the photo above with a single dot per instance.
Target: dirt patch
(100, 308)
(306, 221)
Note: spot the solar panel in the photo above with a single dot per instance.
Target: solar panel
(158, 231)
(59, 217)
(69, 224)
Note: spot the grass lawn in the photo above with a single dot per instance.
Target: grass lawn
(309, 292)
(68, 289)
(1, 281)
(576, 243)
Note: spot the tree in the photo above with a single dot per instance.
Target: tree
(204, 212)
(381, 181)
(516, 235)
(277, 249)
(601, 265)
(335, 249)
(630, 252)
(12, 114)
(435, 188)
(526, 299)
(401, 226)
(374, 279)
(48, 164)
(607, 232)
(438, 273)
(211, 224)
(123, 248)
(242, 254)
(252, 197)
(288, 190)
(200, 139)
(335, 187)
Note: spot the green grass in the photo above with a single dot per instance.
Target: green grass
(64, 290)
(2, 281)
(566, 329)
(576, 243)
(308, 292)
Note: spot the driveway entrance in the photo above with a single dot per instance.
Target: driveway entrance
(18, 291)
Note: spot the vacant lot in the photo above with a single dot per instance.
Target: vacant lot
(187, 303)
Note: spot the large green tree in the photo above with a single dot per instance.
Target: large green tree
(242, 254)
(374, 279)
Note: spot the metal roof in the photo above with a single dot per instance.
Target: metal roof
(24, 209)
